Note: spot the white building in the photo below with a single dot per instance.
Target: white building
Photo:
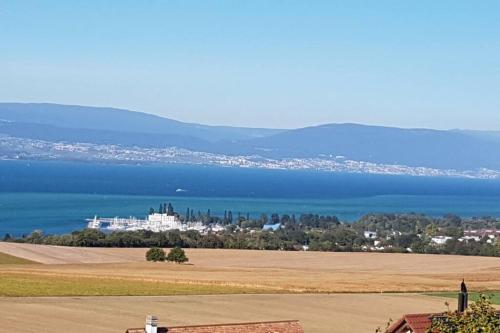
(469, 238)
(440, 240)
(370, 234)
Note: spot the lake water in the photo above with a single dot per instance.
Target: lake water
(57, 196)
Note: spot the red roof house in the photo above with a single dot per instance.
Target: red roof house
(412, 323)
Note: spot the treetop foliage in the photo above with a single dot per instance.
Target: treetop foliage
(177, 255)
(155, 254)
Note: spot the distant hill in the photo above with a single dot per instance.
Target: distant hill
(118, 120)
(412, 147)
(486, 135)
(454, 149)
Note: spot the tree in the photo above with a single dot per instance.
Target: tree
(170, 210)
(35, 237)
(88, 237)
(431, 230)
(155, 254)
(481, 316)
(151, 211)
(177, 255)
(7, 237)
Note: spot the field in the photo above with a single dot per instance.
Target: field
(318, 313)
(22, 285)
(270, 271)
(6, 259)
(327, 292)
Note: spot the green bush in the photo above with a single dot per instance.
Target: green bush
(155, 254)
(177, 255)
(481, 316)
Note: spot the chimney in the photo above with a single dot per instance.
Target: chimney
(463, 298)
(151, 324)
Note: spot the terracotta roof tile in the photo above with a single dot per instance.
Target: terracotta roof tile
(418, 323)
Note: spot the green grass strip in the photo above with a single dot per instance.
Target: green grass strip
(19, 285)
(474, 296)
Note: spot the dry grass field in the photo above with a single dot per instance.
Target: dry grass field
(318, 313)
(271, 271)
(7, 259)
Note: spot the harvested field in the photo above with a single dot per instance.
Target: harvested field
(47, 254)
(317, 313)
(278, 286)
(272, 271)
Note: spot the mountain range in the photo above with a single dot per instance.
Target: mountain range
(441, 149)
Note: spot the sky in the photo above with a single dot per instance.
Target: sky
(282, 64)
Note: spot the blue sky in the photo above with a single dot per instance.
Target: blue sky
(260, 63)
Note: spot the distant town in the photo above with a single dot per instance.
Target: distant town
(13, 148)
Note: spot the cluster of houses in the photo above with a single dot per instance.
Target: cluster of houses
(377, 241)
(491, 236)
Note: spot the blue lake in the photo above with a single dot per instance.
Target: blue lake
(57, 196)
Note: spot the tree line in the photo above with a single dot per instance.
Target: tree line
(395, 233)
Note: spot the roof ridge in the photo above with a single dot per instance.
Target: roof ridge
(421, 314)
(239, 324)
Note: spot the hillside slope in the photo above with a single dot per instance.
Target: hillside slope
(112, 119)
